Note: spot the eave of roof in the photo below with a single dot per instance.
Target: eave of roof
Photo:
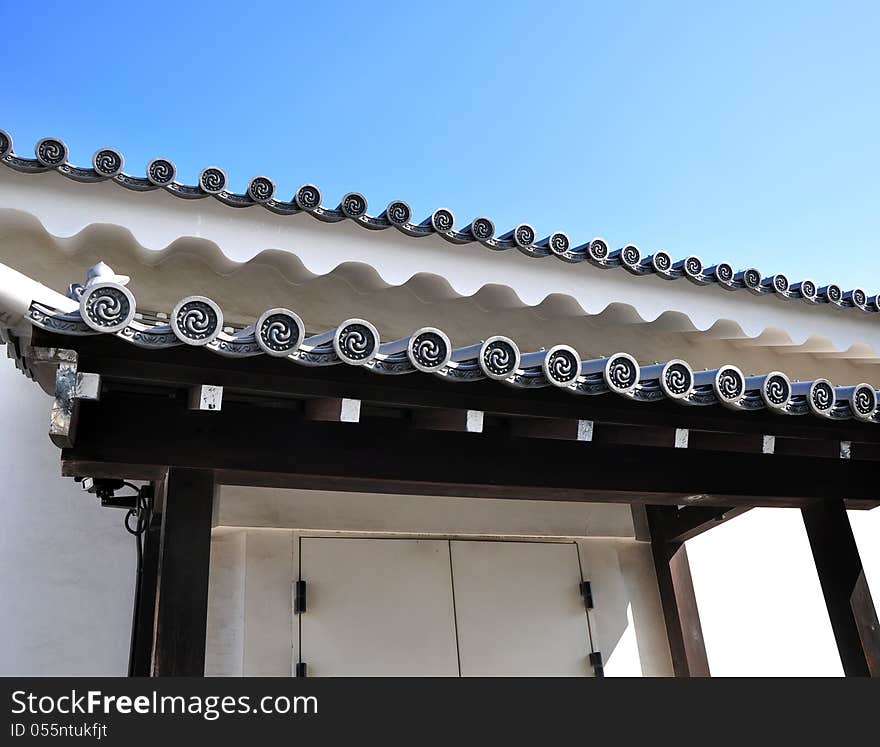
(106, 306)
(107, 165)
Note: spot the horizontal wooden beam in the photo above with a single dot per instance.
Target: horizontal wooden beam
(275, 446)
(120, 362)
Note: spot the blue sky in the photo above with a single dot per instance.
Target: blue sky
(747, 132)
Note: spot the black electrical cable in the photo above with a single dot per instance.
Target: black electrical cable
(142, 512)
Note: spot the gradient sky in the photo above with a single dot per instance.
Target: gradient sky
(743, 131)
(739, 131)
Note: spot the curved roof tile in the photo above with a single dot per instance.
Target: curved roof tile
(107, 165)
(107, 306)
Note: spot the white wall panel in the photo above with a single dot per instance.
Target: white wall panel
(627, 620)
(519, 609)
(380, 607)
(224, 640)
(268, 604)
(67, 564)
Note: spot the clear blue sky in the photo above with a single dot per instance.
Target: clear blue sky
(741, 131)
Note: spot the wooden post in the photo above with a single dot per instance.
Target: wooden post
(184, 555)
(143, 629)
(847, 597)
(683, 629)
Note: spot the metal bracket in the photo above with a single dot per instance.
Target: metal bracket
(299, 597)
(596, 662)
(71, 386)
(587, 594)
(300, 669)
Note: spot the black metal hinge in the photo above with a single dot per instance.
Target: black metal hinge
(587, 594)
(300, 670)
(299, 597)
(596, 661)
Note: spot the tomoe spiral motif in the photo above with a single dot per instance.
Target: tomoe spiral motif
(562, 365)
(5, 143)
(442, 220)
(559, 243)
(621, 373)
(308, 197)
(51, 152)
(752, 278)
(859, 297)
(354, 205)
(429, 350)
(729, 384)
(524, 235)
(833, 293)
(780, 283)
(212, 180)
(631, 255)
(107, 307)
(598, 250)
(196, 321)
(662, 262)
(693, 266)
(356, 342)
(678, 379)
(499, 358)
(261, 189)
(776, 390)
(482, 229)
(863, 401)
(724, 272)
(107, 162)
(821, 397)
(161, 171)
(398, 212)
(808, 289)
(279, 332)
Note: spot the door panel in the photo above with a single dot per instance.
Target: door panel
(519, 609)
(377, 607)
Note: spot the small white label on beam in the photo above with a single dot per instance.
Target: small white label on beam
(846, 449)
(88, 386)
(769, 444)
(474, 421)
(681, 438)
(205, 397)
(350, 410)
(585, 430)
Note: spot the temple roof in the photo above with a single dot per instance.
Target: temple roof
(104, 305)
(107, 166)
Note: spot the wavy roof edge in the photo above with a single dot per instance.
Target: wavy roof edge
(51, 154)
(104, 305)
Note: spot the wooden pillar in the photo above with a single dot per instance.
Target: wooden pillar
(847, 597)
(683, 629)
(184, 555)
(143, 629)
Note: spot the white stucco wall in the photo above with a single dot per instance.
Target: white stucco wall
(66, 565)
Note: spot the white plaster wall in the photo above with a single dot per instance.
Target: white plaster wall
(66, 565)
(252, 567)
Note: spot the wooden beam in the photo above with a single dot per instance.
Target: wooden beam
(183, 367)
(333, 409)
(464, 421)
(691, 521)
(565, 429)
(847, 597)
(683, 630)
(184, 555)
(272, 446)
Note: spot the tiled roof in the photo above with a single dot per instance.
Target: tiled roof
(107, 306)
(107, 165)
